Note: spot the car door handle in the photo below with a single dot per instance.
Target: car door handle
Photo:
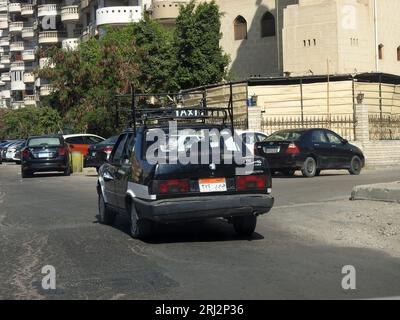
(108, 177)
(316, 144)
(333, 146)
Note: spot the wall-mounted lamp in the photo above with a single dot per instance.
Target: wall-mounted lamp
(360, 98)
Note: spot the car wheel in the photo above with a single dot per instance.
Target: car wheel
(355, 166)
(26, 174)
(289, 173)
(106, 216)
(139, 228)
(245, 225)
(18, 162)
(309, 169)
(67, 172)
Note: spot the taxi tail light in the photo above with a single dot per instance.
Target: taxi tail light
(251, 182)
(106, 150)
(62, 151)
(292, 148)
(173, 186)
(26, 154)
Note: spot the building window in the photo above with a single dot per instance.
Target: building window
(240, 28)
(268, 25)
(380, 51)
(398, 53)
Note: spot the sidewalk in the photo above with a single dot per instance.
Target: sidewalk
(388, 192)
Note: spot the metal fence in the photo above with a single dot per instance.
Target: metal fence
(384, 127)
(344, 125)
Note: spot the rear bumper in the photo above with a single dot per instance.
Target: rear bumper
(50, 165)
(287, 161)
(200, 208)
(90, 161)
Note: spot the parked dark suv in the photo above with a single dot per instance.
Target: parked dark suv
(170, 191)
(44, 154)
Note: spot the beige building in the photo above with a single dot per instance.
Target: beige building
(341, 36)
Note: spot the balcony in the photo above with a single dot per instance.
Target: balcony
(5, 77)
(28, 33)
(70, 43)
(3, 21)
(29, 77)
(3, 6)
(6, 93)
(4, 42)
(16, 27)
(17, 104)
(17, 66)
(51, 37)
(70, 14)
(26, 10)
(45, 63)
(48, 10)
(17, 46)
(30, 100)
(14, 7)
(118, 15)
(5, 59)
(28, 55)
(166, 11)
(46, 89)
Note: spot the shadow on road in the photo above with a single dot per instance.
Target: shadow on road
(211, 230)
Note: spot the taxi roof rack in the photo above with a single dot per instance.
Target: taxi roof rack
(143, 116)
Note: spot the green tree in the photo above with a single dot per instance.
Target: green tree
(28, 121)
(200, 59)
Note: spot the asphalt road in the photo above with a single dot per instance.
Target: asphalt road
(51, 220)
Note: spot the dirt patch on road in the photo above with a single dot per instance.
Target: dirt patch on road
(363, 224)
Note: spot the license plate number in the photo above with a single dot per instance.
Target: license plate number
(212, 185)
(44, 155)
(273, 150)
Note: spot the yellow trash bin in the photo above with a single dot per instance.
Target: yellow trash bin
(77, 162)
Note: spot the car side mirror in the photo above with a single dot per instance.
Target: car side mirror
(71, 146)
(345, 141)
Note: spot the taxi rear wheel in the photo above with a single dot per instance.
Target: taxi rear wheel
(139, 228)
(245, 225)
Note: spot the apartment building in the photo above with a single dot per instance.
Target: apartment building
(263, 37)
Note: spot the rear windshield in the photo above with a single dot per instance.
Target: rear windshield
(194, 141)
(44, 141)
(285, 136)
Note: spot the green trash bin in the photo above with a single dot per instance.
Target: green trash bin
(77, 162)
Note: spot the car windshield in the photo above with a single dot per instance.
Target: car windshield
(44, 141)
(285, 136)
(111, 140)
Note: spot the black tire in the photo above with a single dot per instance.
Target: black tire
(309, 169)
(355, 166)
(26, 174)
(139, 228)
(245, 225)
(18, 162)
(318, 172)
(106, 216)
(67, 172)
(288, 172)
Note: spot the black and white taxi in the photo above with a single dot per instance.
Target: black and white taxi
(162, 174)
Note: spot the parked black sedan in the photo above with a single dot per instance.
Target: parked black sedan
(44, 154)
(310, 150)
(99, 153)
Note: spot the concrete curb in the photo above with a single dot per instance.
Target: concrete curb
(387, 192)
